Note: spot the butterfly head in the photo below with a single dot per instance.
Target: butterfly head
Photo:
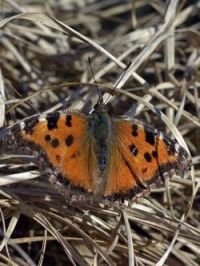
(100, 106)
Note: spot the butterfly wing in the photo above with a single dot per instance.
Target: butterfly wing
(143, 156)
(137, 154)
(63, 139)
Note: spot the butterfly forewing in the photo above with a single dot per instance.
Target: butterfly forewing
(64, 138)
(145, 153)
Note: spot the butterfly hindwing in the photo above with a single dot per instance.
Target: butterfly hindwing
(120, 178)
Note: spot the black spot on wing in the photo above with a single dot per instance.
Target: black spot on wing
(149, 136)
(68, 120)
(47, 137)
(147, 157)
(55, 143)
(133, 149)
(134, 130)
(52, 120)
(69, 140)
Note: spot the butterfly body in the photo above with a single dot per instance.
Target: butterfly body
(101, 133)
(100, 154)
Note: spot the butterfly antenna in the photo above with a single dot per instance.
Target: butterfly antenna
(123, 74)
(100, 100)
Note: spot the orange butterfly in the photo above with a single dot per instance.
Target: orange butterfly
(114, 158)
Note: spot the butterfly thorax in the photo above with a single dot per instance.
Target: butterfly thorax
(101, 124)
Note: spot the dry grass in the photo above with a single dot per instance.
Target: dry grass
(44, 65)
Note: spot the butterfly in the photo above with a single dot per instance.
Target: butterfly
(100, 155)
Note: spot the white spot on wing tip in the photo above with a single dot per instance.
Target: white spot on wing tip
(177, 147)
(43, 118)
(22, 125)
